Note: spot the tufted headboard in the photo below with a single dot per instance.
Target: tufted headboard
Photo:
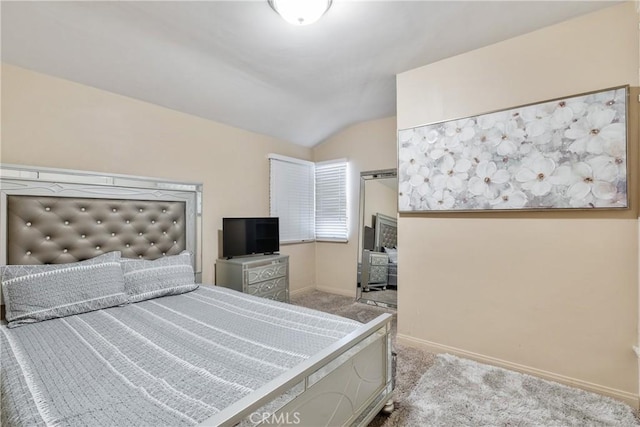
(386, 235)
(54, 216)
(55, 230)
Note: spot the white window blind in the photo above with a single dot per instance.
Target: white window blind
(292, 200)
(331, 201)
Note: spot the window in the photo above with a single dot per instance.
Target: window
(331, 201)
(292, 197)
(310, 199)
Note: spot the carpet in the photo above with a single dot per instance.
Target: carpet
(461, 392)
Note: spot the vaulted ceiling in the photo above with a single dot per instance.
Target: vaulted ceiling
(239, 63)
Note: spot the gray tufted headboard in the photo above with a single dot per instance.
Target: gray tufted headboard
(55, 230)
(58, 216)
(386, 235)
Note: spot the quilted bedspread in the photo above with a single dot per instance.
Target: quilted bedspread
(172, 361)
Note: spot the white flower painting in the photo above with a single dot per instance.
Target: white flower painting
(564, 154)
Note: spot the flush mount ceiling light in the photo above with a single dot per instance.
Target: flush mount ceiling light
(300, 12)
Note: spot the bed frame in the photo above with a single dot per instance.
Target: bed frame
(60, 216)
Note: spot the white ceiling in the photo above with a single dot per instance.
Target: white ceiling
(238, 63)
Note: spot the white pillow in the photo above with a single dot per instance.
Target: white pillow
(393, 254)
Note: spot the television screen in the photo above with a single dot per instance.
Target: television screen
(246, 236)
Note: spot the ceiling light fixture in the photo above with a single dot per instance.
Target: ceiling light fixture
(300, 12)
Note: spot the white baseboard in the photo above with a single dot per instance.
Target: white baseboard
(343, 292)
(629, 398)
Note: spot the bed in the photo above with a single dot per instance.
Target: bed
(182, 353)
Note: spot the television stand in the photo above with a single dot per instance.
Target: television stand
(265, 276)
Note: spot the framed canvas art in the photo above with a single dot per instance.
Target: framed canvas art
(568, 153)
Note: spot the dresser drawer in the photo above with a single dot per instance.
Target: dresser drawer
(268, 286)
(378, 274)
(278, 295)
(378, 259)
(259, 274)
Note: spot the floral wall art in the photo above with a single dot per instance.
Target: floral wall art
(567, 153)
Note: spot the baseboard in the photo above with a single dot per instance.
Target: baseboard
(342, 292)
(629, 398)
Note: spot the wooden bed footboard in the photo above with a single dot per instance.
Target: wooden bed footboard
(346, 384)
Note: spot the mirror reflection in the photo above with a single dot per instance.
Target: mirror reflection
(377, 249)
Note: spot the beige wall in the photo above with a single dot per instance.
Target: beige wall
(555, 294)
(380, 198)
(52, 122)
(367, 146)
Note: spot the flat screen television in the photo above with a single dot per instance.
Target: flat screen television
(247, 236)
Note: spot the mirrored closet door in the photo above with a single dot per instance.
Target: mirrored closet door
(377, 248)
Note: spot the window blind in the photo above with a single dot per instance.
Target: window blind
(292, 197)
(331, 201)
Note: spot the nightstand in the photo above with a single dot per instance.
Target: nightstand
(375, 270)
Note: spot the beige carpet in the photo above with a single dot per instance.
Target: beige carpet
(464, 393)
(412, 363)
